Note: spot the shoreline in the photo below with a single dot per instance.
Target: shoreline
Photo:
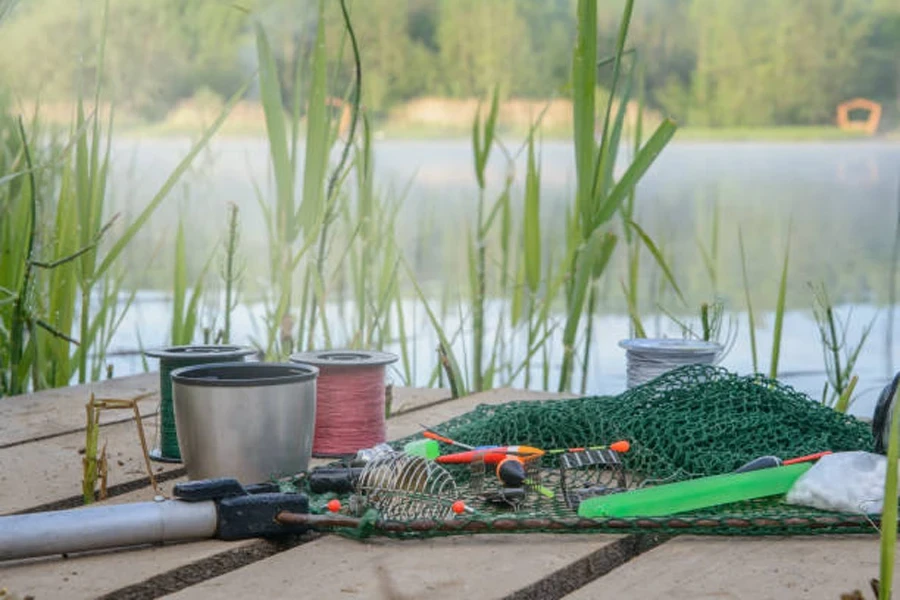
(685, 135)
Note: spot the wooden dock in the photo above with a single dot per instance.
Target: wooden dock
(41, 436)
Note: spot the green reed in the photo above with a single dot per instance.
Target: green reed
(336, 242)
(779, 309)
(598, 197)
(889, 510)
(60, 280)
(232, 271)
(839, 357)
(482, 142)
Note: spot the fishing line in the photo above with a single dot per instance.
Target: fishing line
(166, 447)
(350, 400)
(647, 359)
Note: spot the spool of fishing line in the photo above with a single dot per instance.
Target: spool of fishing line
(647, 359)
(174, 357)
(350, 399)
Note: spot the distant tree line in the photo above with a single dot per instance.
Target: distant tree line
(706, 62)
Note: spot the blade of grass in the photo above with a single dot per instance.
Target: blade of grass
(132, 230)
(779, 310)
(658, 257)
(447, 354)
(638, 167)
(889, 510)
(750, 318)
(584, 84)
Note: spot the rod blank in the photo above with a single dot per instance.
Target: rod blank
(105, 527)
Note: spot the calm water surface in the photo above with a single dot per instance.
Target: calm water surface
(839, 199)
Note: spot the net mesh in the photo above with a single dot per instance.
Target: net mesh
(691, 422)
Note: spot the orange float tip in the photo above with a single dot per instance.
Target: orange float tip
(334, 505)
(458, 507)
(620, 446)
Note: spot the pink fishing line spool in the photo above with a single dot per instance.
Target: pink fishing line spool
(350, 399)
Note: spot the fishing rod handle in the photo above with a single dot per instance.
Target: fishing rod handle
(104, 527)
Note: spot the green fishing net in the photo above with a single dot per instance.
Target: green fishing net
(691, 422)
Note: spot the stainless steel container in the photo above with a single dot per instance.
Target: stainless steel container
(251, 421)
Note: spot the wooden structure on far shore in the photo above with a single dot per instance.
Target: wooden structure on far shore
(873, 118)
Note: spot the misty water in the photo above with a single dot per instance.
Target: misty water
(840, 199)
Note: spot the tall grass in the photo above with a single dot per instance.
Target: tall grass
(331, 244)
(185, 308)
(889, 509)
(598, 197)
(62, 287)
(839, 357)
(779, 310)
(232, 272)
(482, 142)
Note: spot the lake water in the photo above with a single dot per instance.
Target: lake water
(841, 200)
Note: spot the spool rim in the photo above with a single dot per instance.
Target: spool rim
(201, 351)
(282, 374)
(671, 346)
(344, 358)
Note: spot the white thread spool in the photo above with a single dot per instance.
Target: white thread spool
(649, 358)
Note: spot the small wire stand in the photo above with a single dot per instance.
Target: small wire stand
(590, 473)
(406, 487)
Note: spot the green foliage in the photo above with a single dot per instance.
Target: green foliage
(788, 62)
(60, 246)
(598, 196)
(157, 53)
(833, 336)
(889, 510)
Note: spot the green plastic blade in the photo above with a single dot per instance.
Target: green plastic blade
(694, 494)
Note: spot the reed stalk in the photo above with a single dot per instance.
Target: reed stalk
(889, 509)
(232, 271)
(751, 321)
(482, 143)
(779, 310)
(598, 197)
(833, 338)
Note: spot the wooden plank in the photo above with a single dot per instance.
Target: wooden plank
(50, 470)
(95, 574)
(405, 399)
(59, 411)
(487, 566)
(711, 567)
(91, 574)
(439, 568)
(173, 567)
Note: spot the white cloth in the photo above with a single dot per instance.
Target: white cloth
(850, 482)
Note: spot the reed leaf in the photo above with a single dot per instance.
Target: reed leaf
(603, 174)
(128, 234)
(889, 509)
(532, 221)
(584, 83)
(751, 321)
(276, 132)
(779, 310)
(312, 207)
(635, 171)
(458, 386)
(597, 250)
(658, 257)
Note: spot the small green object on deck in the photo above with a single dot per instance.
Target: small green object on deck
(694, 494)
(427, 449)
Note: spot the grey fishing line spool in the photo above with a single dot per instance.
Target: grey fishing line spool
(647, 359)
